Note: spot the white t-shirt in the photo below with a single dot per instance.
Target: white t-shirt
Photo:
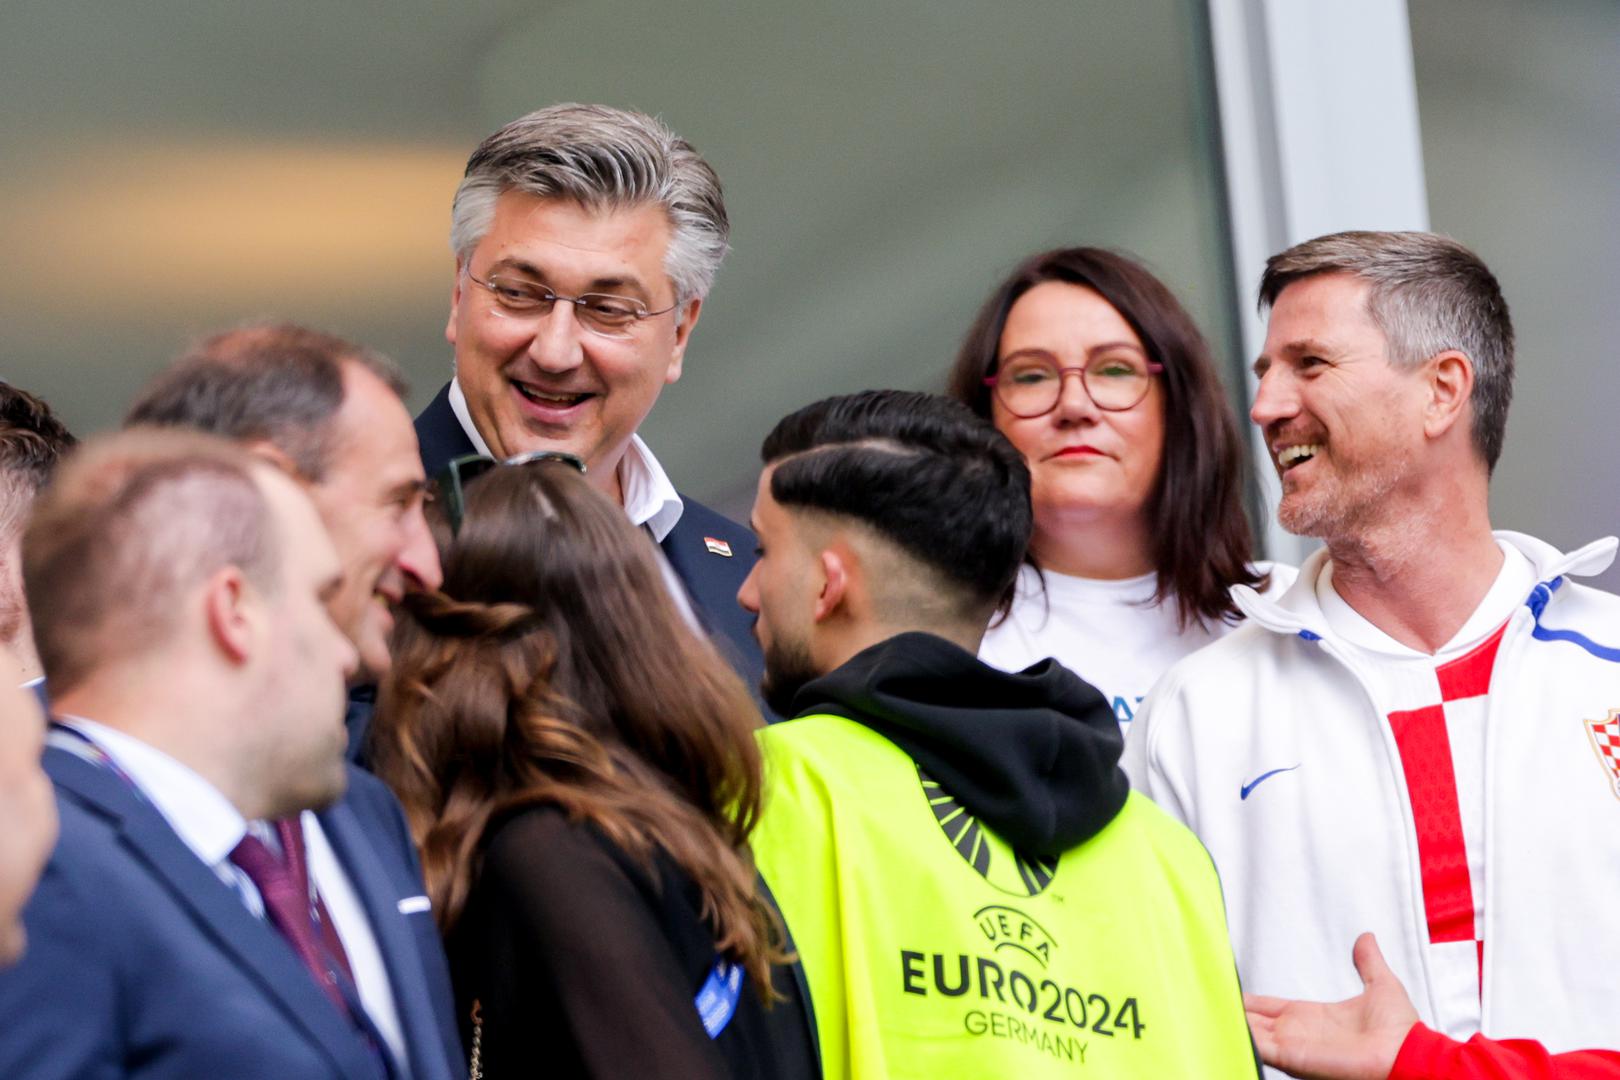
(1110, 633)
(1436, 707)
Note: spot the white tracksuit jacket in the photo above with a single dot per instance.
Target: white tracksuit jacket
(1320, 854)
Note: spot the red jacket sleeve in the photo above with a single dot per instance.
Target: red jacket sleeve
(1428, 1055)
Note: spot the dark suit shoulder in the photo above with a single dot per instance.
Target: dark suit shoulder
(382, 822)
(370, 797)
(440, 433)
(695, 517)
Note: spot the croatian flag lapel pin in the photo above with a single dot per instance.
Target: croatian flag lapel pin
(717, 547)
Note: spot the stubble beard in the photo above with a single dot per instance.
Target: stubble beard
(1343, 509)
(787, 668)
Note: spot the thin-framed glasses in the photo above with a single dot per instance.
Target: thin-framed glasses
(1029, 384)
(602, 314)
(450, 481)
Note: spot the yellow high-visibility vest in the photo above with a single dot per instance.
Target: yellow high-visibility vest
(933, 950)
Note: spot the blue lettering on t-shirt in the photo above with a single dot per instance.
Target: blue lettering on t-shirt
(1125, 709)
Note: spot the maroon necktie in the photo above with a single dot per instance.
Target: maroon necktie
(283, 883)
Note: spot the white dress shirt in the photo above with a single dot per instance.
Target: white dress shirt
(650, 500)
(211, 827)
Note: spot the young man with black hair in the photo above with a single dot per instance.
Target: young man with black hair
(971, 887)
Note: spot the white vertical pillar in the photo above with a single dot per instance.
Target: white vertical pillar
(1319, 130)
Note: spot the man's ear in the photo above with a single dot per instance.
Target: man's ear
(683, 334)
(455, 305)
(837, 573)
(1451, 384)
(265, 450)
(230, 610)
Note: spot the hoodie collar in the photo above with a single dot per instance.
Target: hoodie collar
(1297, 610)
(1033, 755)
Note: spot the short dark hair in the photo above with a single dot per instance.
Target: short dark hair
(274, 381)
(32, 441)
(1427, 293)
(922, 471)
(1201, 538)
(129, 524)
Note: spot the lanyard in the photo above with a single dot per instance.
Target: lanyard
(80, 746)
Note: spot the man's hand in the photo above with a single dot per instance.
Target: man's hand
(1355, 1039)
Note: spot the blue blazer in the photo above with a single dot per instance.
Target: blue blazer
(142, 963)
(711, 580)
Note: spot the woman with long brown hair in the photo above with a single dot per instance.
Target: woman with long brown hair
(1097, 374)
(579, 770)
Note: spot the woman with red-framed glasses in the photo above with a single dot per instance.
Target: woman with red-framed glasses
(1094, 371)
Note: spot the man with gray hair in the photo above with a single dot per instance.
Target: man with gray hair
(586, 239)
(330, 413)
(1417, 746)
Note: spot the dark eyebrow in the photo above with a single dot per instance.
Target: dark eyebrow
(1048, 354)
(406, 488)
(520, 265)
(619, 284)
(1107, 345)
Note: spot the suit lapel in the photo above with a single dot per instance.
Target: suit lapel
(216, 909)
(395, 940)
(712, 581)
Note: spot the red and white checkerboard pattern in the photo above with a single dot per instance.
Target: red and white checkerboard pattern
(1441, 737)
(1605, 735)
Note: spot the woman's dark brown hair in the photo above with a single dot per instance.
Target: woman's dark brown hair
(1200, 533)
(553, 669)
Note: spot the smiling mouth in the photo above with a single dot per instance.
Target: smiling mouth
(550, 401)
(1296, 455)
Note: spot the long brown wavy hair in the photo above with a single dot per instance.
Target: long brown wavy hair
(553, 669)
(1202, 542)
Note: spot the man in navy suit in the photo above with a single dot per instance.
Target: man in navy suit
(330, 413)
(586, 239)
(179, 588)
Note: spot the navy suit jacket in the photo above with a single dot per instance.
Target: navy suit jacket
(142, 963)
(711, 580)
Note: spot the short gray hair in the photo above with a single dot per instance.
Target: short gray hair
(1428, 294)
(601, 158)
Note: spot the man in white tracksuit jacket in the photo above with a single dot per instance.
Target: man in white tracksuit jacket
(1421, 737)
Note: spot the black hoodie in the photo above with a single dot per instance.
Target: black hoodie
(1033, 755)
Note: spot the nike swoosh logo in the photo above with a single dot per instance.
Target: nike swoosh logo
(1243, 793)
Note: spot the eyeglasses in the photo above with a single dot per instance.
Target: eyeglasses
(458, 472)
(601, 313)
(1031, 384)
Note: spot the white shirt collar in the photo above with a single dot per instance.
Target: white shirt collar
(1513, 583)
(201, 816)
(649, 497)
(458, 405)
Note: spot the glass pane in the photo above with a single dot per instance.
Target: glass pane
(1522, 154)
